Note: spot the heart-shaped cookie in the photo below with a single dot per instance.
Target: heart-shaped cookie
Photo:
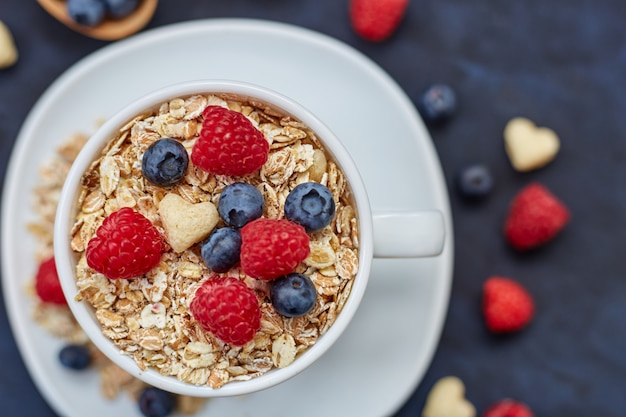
(8, 52)
(528, 146)
(447, 399)
(185, 223)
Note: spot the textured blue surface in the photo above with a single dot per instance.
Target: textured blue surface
(561, 63)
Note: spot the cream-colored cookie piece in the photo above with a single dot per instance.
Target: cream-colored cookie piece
(447, 399)
(8, 51)
(185, 223)
(528, 146)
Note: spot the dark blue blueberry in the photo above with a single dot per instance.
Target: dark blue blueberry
(474, 181)
(86, 12)
(293, 295)
(165, 162)
(75, 357)
(220, 251)
(240, 203)
(311, 205)
(154, 402)
(438, 104)
(120, 8)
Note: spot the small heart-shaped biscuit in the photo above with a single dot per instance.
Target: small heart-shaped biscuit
(528, 146)
(8, 52)
(185, 223)
(447, 399)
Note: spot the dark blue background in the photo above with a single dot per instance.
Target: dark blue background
(561, 63)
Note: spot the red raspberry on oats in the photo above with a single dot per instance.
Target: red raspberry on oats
(271, 248)
(228, 308)
(229, 144)
(47, 285)
(126, 245)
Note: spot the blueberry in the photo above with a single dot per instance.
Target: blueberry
(293, 295)
(438, 103)
(311, 205)
(165, 162)
(240, 203)
(75, 357)
(154, 402)
(474, 181)
(220, 251)
(86, 12)
(120, 8)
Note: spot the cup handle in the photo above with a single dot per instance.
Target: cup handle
(414, 234)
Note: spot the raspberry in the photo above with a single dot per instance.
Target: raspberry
(271, 248)
(508, 408)
(47, 283)
(228, 308)
(229, 144)
(535, 217)
(507, 306)
(126, 245)
(376, 20)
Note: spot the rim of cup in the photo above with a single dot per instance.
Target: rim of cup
(66, 259)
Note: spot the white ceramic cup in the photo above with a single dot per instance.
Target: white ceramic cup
(388, 234)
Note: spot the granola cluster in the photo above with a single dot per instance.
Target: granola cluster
(148, 318)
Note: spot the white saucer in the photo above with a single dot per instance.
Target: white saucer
(385, 351)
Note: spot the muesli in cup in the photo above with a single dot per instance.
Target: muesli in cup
(216, 239)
